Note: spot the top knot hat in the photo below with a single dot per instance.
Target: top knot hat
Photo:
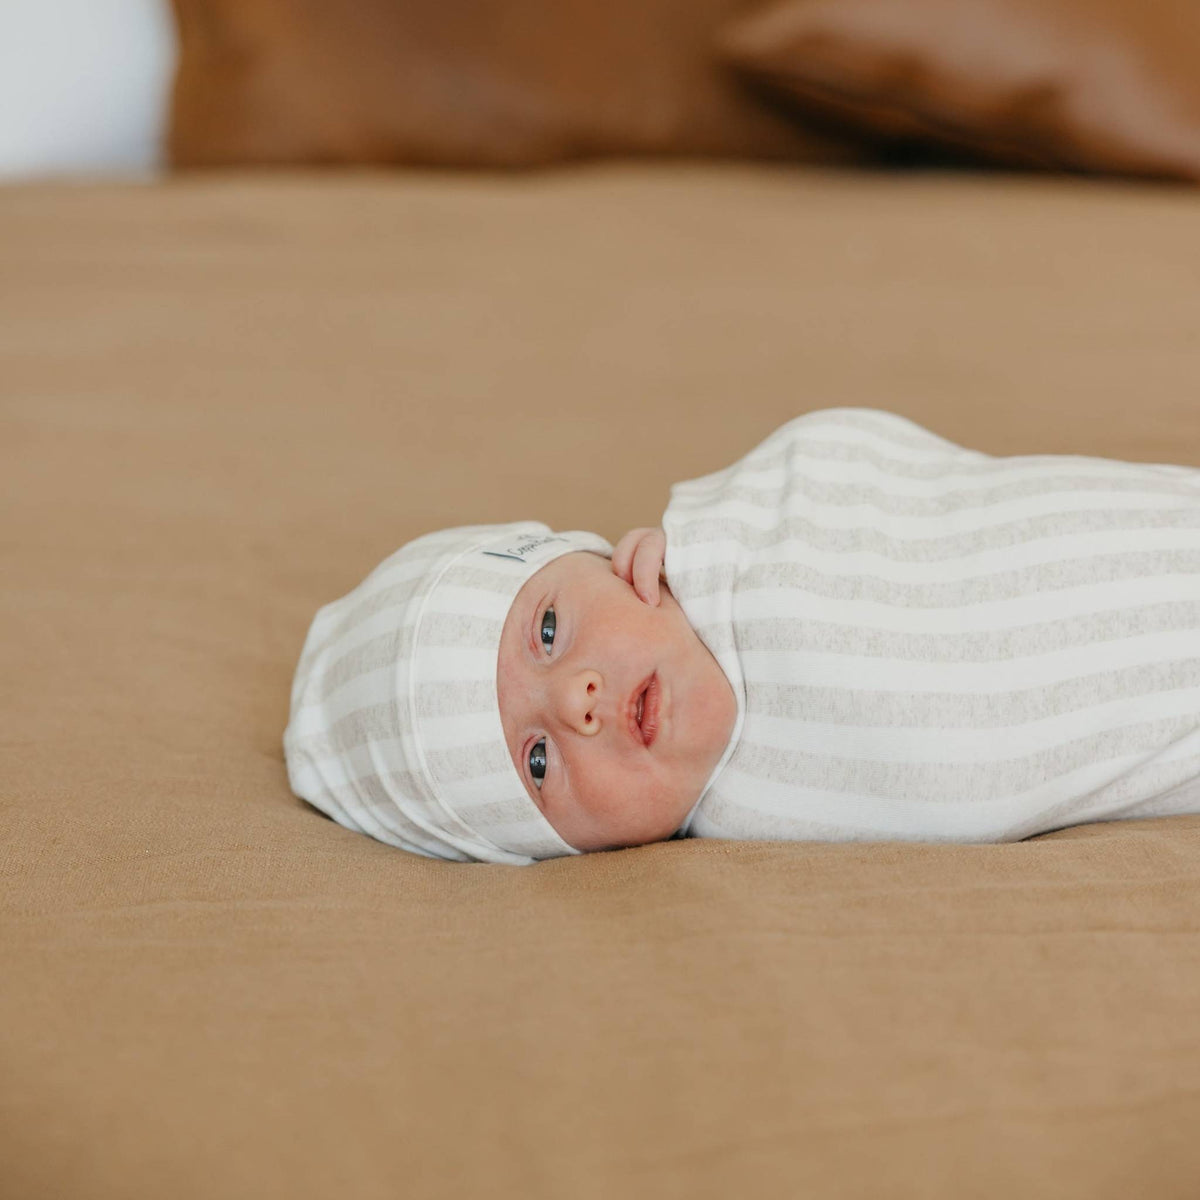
(395, 722)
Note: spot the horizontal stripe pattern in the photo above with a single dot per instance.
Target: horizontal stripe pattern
(930, 643)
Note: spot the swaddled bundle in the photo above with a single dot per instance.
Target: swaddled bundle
(931, 643)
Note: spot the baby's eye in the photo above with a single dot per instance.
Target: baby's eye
(537, 761)
(549, 621)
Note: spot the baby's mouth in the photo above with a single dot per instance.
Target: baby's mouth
(646, 711)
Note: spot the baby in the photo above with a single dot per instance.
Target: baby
(865, 632)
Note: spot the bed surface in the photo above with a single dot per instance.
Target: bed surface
(226, 397)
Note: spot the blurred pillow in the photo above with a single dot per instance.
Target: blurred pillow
(472, 82)
(1102, 85)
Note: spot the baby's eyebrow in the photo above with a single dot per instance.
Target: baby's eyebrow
(531, 627)
(533, 624)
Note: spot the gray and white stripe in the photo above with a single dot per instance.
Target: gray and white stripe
(930, 643)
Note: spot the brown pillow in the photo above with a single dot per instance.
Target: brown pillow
(1101, 85)
(468, 82)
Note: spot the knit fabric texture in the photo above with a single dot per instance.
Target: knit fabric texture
(930, 643)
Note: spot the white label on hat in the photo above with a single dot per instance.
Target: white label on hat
(524, 551)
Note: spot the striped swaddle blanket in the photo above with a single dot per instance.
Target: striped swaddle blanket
(930, 643)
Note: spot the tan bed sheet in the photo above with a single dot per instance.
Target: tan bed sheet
(225, 398)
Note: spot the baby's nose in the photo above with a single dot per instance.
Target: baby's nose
(581, 702)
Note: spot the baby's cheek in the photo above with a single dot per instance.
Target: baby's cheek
(604, 784)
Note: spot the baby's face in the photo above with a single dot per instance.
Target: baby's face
(614, 711)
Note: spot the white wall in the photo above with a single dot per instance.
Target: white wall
(84, 86)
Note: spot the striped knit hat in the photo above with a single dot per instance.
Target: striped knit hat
(395, 723)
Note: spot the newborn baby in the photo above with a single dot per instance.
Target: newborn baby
(865, 632)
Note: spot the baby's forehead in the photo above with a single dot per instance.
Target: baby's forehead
(576, 564)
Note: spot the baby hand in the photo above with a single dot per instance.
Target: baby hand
(638, 559)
